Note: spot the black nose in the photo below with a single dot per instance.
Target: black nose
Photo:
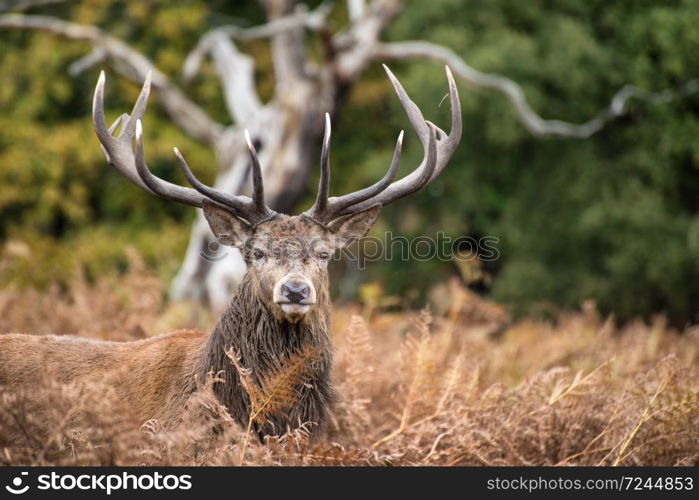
(296, 291)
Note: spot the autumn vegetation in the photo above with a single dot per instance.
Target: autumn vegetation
(457, 383)
(578, 345)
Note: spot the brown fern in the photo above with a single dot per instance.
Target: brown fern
(277, 391)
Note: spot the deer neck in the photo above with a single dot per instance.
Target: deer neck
(250, 329)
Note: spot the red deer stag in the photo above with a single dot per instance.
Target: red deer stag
(280, 310)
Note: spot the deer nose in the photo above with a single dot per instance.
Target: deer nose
(296, 291)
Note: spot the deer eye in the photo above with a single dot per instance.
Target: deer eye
(258, 254)
(323, 255)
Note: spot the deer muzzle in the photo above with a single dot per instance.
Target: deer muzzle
(295, 294)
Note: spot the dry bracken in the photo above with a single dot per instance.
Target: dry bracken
(462, 386)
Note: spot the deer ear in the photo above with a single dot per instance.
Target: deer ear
(355, 226)
(230, 229)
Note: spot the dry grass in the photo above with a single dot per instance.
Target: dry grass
(459, 386)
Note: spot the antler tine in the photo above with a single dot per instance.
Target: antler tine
(119, 150)
(325, 209)
(258, 193)
(324, 181)
(438, 146)
(112, 128)
(117, 122)
(445, 145)
(409, 184)
(130, 161)
(162, 188)
(139, 108)
(448, 147)
(216, 195)
(98, 109)
(417, 120)
(420, 177)
(366, 193)
(103, 134)
(241, 205)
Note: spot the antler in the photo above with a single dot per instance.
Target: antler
(120, 154)
(438, 147)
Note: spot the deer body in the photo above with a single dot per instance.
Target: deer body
(156, 376)
(280, 314)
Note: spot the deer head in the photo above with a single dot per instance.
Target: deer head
(287, 256)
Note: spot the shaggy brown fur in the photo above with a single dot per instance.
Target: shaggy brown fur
(154, 376)
(263, 343)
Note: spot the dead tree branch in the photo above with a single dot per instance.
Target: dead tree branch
(236, 72)
(356, 44)
(532, 121)
(356, 9)
(131, 64)
(20, 5)
(94, 58)
(302, 18)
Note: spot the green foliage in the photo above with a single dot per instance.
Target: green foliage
(613, 218)
(61, 206)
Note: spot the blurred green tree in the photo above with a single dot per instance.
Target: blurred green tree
(614, 217)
